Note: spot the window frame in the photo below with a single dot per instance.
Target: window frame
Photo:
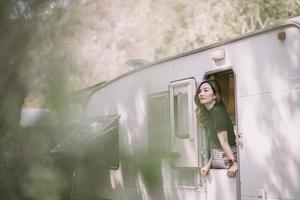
(191, 83)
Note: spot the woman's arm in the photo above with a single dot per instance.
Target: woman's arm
(223, 138)
(204, 170)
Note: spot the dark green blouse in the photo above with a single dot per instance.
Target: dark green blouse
(218, 121)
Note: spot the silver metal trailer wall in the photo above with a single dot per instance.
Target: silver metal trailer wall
(268, 83)
(267, 115)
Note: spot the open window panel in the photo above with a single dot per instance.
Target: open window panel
(94, 141)
(226, 80)
(183, 123)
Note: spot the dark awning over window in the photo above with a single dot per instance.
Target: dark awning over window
(87, 131)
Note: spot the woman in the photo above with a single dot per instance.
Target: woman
(212, 114)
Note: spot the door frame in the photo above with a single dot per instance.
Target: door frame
(230, 71)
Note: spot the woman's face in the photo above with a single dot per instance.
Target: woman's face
(206, 94)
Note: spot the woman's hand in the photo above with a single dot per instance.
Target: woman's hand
(204, 170)
(231, 173)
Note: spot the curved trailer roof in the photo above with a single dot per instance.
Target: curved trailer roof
(291, 22)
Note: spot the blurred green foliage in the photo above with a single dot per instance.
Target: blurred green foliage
(32, 59)
(43, 49)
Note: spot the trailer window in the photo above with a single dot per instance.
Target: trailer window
(182, 108)
(103, 151)
(181, 115)
(183, 124)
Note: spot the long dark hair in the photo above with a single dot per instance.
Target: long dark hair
(201, 110)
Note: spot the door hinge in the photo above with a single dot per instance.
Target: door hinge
(239, 140)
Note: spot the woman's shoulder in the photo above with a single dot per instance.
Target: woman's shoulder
(218, 108)
(220, 112)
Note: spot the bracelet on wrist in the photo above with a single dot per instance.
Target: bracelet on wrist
(231, 162)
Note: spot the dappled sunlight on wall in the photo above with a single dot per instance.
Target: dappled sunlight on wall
(116, 178)
(166, 179)
(285, 152)
(263, 144)
(268, 99)
(271, 122)
(293, 172)
(132, 123)
(140, 106)
(124, 125)
(142, 189)
(273, 129)
(292, 50)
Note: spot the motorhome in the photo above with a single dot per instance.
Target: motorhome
(143, 141)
